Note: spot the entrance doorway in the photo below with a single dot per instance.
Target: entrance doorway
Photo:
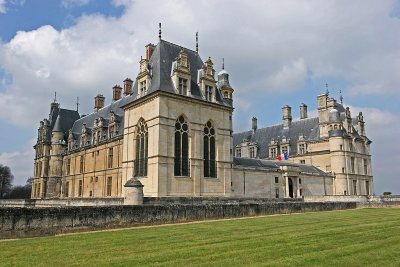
(290, 187)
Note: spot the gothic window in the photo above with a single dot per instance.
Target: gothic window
(110, 157)
(181, 161)
(208, 93)
(210, 169)
(142, 137)
(182, 87)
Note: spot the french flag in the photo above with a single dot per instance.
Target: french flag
(284, 156)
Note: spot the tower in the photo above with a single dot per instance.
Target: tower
(58, 145)
(224, 86)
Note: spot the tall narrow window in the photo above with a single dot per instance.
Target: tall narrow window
(210, 169)
(238, 152)
(142, 137)
(110, 157)
(81, 164)
(68, 166)
(67, 189)
(142, 88)
(80, 188)
(181, 161)
(109, 186)
(182, 86)
(208, 93)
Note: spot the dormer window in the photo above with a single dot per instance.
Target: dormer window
(142, 88)
(252, 152)
(182, 87)
(208, 93)
(238, 152)
(273, 152)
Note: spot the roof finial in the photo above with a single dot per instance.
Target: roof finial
(223, 63)
(77, 103)
(341, 97)
(55, 96)
(327, 91)
(159, 31)
(197, 42)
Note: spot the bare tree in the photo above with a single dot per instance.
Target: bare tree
(6, 179)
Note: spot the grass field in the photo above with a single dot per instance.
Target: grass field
(362, 237)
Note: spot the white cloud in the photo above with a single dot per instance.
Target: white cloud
(20, 162)
(3, 6)
(74, 3)
(289, 77)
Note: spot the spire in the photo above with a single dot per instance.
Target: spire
(55, 97)
(327, 91)
(57, 125)
(223, 63)
(197, 42)
(77, 103)
(159, 31)
(341, 97)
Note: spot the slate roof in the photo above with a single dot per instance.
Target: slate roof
(160, 65)
(309, 128)
(274, 165)
(66, 120)
(164, 54)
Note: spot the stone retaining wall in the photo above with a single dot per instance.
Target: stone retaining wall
(33, 221)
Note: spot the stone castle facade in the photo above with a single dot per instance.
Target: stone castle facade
(171, 128)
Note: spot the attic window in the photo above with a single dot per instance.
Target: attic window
(208, 93)
(182, 87)
(142, 88)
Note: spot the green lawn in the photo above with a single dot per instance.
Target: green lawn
(362, 237)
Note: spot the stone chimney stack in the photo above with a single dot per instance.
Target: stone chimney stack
(149, 51)
(303, 111)
(254, 124)
(117, 92)
(286, 116)
(128, 86)
(98, 102)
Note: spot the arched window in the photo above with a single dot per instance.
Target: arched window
(181, 162)
(142, 138)
(210, 169)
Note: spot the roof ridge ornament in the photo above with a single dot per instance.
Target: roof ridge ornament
(159, 31)
(327, 91)
(223, 63)
(341, 97)
(197, 42)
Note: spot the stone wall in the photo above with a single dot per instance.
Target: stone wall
(29, 221)
(61, 202)
(352, 198)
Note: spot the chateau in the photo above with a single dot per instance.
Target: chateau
(171, 128)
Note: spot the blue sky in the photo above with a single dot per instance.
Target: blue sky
(277, 53)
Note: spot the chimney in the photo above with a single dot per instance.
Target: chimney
(98, 102)
(254, 124)
(303, 111)
(128, 86)
(116, 92)
(286, 116)
(149, 51)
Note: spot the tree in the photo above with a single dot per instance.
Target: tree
(387, 193)
(21, 191)
(6, 179)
